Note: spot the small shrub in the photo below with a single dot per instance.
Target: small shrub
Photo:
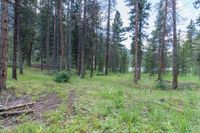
(162, 85)
(62, 77)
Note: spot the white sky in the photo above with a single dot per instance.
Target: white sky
(185, 10)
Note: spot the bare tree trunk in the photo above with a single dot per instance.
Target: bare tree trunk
(108, 38)
(84, 43)
(95, 52)
(162, 47)
(21, 67)
(47, 37)
(4, 44)
(140, 46)
(29, 55)
(57, 36)
(16, 39)
(69, 40)
(54, 41)
(92, 53)
(136, 42)
(92, 61)
(79, 39)
(175, 69)
(42, 58)
(62, 45)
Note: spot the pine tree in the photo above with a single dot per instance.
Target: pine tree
(117, 39)
(143, 15)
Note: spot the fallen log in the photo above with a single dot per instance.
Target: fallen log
(17, 106)
(14, 113)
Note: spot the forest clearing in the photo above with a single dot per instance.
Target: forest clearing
(100, 66)
(103, 104)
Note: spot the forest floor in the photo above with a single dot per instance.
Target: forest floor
(102, 104)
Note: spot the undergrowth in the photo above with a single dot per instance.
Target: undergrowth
(112, 104)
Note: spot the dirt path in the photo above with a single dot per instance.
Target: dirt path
(45, 103)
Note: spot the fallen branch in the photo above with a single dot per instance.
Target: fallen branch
(17, 106)
(14, 113)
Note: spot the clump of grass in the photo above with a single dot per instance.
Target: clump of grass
(118, 99)
(185, 86)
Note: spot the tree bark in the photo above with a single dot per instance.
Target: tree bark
(79, 40)
(69, 39)
(175, 69)
(15, 39)
(108, 38)
(62, 45)
(4, 44)
(84, 43)
(47, 37)
(140, 45)
(161, 60)
(54, 41)
(136, 42)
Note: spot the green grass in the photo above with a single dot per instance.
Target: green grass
(112, 104)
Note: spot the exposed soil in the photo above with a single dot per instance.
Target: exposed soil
(71, 102)
(44, 104)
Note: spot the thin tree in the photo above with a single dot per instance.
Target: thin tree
(15, 39)
(136, 41)
(62, 46)
(79, 38)
(47, 37)
(175, 69)
(69, 36)
(161, 60)
(82, 74)
(108, 38)
(4, 44)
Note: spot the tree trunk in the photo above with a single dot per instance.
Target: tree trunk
(57, 36)
(136, 42)
(54, 41)
(92, 61)
(162, 47)
(175, 69)
(4, 44)
(21, 69)
(15, 39)
(47, 37)
(29, 56)
(69, 39)
(79, 39)
(83, 44)
(108, 38)
(140, 46)
(92, 53)
(62, 45)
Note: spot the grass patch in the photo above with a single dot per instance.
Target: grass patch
(112, 104)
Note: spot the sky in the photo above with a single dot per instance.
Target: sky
(185, 9)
